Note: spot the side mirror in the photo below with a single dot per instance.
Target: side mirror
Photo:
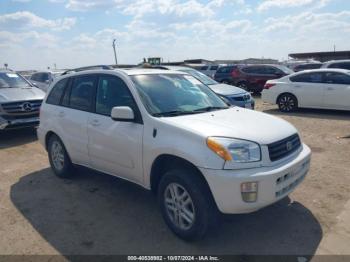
(122, 113)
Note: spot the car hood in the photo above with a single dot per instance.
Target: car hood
(20, 94)
(236, 123)
(225, 90)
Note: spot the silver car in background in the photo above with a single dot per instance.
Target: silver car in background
(43, 79)
(20, 101)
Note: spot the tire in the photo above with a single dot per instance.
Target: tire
(200, 211)
(287, 103)
(243, 85)
(59, 159)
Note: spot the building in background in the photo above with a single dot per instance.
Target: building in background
(321, 56)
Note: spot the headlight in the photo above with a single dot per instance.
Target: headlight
(236, 150)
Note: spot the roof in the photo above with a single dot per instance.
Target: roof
(325, 70)
(148, 71)
(337, 61)
(177, 68)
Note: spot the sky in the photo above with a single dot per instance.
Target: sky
(36, 34)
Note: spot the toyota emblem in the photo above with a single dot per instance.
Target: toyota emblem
(27, 107)
(289, 146)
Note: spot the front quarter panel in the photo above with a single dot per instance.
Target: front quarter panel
(164, 139)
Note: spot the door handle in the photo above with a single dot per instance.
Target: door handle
(95, 122)
(61, 114)
(330, 88)
(297, 86)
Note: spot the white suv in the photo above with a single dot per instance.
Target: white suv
(171, 134)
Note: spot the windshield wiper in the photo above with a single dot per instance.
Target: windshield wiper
(210, 108)
(175, 113)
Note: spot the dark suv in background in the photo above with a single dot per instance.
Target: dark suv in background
(250, 77)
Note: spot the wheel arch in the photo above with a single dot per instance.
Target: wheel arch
(165, 162)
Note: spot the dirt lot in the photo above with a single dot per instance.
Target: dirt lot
(99, 214)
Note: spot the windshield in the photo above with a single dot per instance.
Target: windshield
(200, 76)
(10, 79)
(171, 95)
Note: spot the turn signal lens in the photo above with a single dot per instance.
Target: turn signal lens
(219, 149)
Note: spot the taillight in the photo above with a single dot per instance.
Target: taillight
(268, 85)
(235, 72)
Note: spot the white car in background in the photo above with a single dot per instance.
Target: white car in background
(341, 64)
(319, 88)
(43, 79)
(208, 70)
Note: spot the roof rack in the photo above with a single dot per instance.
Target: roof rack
(79, 69)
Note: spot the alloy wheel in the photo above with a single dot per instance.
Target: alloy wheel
(57, 155)
(179, 206)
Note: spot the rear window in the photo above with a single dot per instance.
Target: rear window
(204, 68)
(225, 69)
(56, 93)
(214, 67)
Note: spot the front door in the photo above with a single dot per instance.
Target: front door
(115, 147)
(337, 90)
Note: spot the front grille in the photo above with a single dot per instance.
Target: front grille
(284, 147)
(21, 107)
(240, 98)
(16, 117)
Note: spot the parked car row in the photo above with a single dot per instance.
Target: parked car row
(250, 77)
(170, 133)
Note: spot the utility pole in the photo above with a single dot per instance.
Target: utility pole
(334, 48)
(115, 53)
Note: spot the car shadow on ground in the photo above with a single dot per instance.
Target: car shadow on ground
(314, 113)
(17, 137)
(95, 213)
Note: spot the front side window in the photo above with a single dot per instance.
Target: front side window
(82, 93)
(12, 80)
(111, 92)
(337, 78)
(172, 94)
(56, 92)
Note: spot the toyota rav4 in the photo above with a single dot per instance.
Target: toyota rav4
(171, 134)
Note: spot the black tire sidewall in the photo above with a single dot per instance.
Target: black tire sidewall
(65, 172)
(202, 203)
(290, 96)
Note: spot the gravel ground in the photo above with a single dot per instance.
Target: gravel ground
(99, 214)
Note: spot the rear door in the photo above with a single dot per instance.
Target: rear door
(337, 90)
(73, 114)
(257, 76)
(309, 89)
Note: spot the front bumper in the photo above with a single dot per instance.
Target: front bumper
(274, 183)
(18, 122)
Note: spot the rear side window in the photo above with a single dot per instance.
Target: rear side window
(343, 65)
(308, 78)
(253, 70)
(204, 68)
(225, 69)
(337, 78)
(214, 68)
(57, 92)
(82, 92)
